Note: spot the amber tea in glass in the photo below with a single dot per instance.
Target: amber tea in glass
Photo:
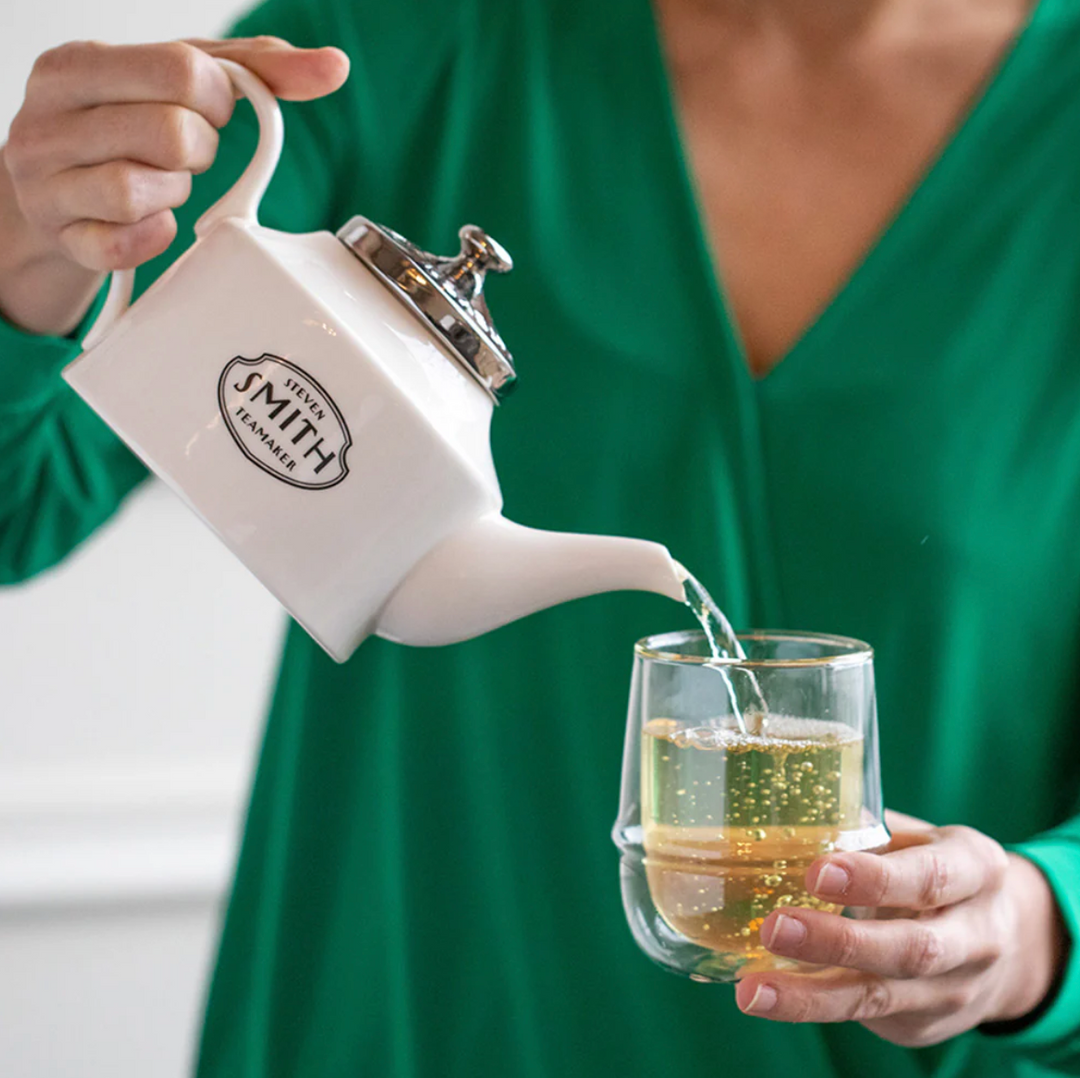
(738, 774)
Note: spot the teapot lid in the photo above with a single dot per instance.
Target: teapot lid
(446, 293)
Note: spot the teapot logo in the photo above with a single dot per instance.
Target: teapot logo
(284, 421)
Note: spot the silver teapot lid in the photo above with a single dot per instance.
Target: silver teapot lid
(445, 293)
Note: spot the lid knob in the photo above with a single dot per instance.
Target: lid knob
(447, 293)
(464, 275)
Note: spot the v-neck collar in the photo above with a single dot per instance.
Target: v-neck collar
(966, 131)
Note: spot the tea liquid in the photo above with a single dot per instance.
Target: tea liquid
(733, 819)
(723, 643)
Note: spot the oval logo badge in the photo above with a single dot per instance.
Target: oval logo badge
(284, 421)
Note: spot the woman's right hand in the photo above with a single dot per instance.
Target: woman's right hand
(104, 149)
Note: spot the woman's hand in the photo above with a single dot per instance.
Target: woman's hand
(104, 148)
(980, 941)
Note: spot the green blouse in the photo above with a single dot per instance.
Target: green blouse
(427, 886)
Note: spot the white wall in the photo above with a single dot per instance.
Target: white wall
(132, 685)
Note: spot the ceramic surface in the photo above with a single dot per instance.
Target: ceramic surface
(327, 436)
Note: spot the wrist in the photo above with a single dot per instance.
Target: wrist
(1037, 943)
(42, 291)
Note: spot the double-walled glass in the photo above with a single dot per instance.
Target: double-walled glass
(737, 775)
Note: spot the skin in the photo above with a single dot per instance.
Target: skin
(805, 127)
(104, 148)
(964, 933)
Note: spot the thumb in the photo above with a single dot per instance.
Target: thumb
(292, 74)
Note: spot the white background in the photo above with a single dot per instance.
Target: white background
(133, 681)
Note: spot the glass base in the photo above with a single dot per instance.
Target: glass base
(714, 968)
(673, 951)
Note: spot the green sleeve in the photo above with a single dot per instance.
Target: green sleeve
(1053, 1039)
(62, 471)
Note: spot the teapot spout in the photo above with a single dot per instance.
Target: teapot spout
(493, 572)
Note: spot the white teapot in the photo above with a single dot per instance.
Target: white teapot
(323, 403)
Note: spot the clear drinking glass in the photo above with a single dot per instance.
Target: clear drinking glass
(724, 807)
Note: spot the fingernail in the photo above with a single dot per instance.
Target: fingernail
(787, 934)
(764, 1000)
(832, 880)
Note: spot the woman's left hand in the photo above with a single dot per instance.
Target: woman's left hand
(980, 939)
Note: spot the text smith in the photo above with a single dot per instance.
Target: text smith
(275, 406)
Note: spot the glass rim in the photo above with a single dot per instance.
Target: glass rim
(657, 648)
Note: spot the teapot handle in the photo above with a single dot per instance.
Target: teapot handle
(241, 201)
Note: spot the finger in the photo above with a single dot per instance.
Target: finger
(955, 864)
(101, 246)
(950, 1012)
(899, 821)
(82, 74)
(834, 995)
(121, 192)
(291, 73)
(922, 947)
(166, 136)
